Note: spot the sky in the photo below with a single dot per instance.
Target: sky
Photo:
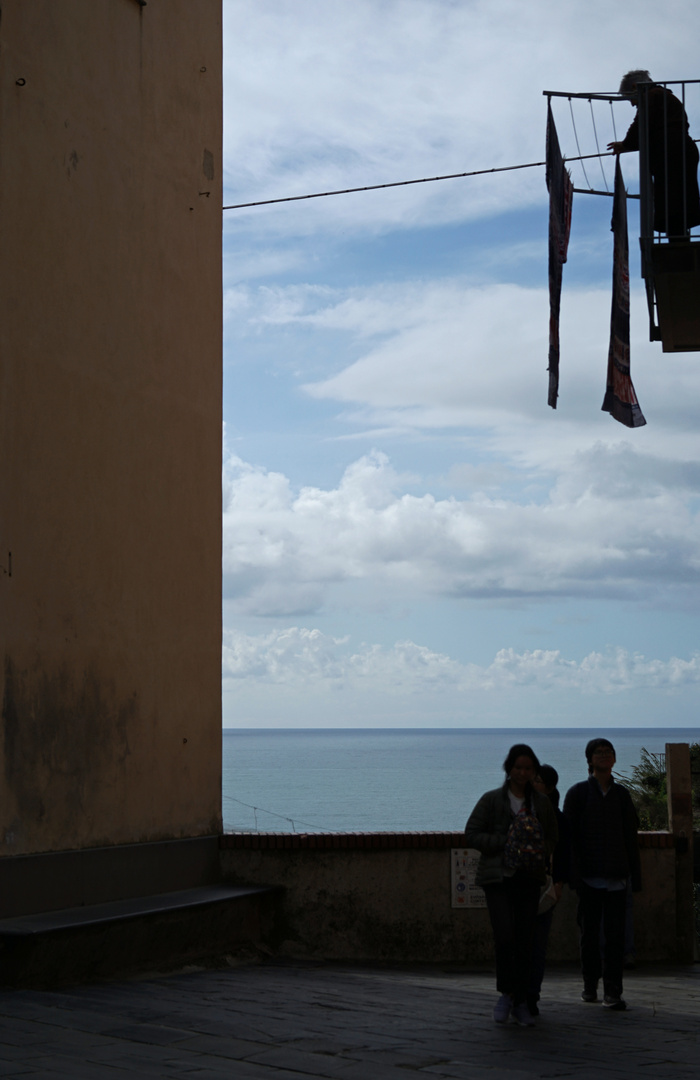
(411, 536)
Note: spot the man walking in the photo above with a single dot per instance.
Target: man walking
(605, 852)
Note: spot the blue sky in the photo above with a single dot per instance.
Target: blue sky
(412, 537)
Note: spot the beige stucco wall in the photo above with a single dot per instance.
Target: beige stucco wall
(110, 421)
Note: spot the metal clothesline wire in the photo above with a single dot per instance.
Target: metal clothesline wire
(405, 183)
(283, 817)
(476, 172)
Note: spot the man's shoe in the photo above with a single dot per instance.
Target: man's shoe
(532, 1005)
(521, 1014)
(501, 1010)
(615, 1003)
(589, 995)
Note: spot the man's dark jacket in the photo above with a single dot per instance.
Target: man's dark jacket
(604, 828)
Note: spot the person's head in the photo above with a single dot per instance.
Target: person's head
(546, 783)
(630, 81)
(600, 752)
(521, 764)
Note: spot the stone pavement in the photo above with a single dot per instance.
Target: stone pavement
(290, 1021)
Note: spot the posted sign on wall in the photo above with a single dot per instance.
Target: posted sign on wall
(465, 894)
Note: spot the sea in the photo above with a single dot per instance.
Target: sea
(303, 780)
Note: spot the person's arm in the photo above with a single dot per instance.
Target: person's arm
(630, 141)
(574, 803)
(481, 831)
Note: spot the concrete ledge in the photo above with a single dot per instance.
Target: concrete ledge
(649, 840)
(387, 897)
(383, 841)
(355, 841)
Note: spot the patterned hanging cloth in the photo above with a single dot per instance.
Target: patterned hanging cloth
(561, 193)
(620, 398)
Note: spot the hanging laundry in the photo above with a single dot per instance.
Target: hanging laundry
(620, 398)
(561, 192)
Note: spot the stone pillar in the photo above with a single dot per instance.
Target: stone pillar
(680, 819)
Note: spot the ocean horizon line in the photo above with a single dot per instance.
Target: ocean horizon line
(388, 730)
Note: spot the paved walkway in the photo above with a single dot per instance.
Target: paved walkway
(291, 1021)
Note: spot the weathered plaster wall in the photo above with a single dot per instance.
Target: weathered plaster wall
(392, 900)
(110, 421)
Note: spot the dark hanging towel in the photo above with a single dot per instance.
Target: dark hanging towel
(561, 192)
(620, 399)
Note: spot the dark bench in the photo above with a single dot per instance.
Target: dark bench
(156, 932)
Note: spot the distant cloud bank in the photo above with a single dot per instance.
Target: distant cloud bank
(297, 656)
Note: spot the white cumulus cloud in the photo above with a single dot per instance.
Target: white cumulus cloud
(596, 534)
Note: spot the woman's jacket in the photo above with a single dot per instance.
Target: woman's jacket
(488, 826)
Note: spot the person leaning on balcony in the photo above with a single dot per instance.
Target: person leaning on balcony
(673, 155)
(512, 885)
(605, 857)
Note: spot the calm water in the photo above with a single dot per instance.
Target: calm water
(394, 779)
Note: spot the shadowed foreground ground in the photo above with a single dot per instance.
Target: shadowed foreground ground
(292, 1020)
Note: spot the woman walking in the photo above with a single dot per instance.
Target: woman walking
(515, 829)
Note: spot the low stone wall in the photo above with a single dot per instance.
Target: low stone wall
(387, 896)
